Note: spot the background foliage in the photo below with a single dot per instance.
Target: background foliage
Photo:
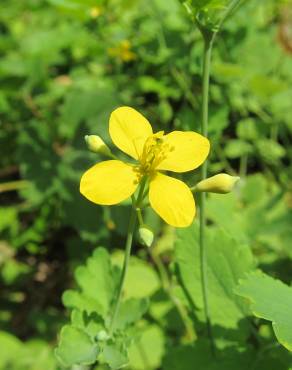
(64, 66)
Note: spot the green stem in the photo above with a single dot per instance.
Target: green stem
(229, 10)
(208, 42)
(243, 165)
(140, 216)
(13, 185)
(128, 247)
(208, 37)
(131, 229)
(182, 82)
(274, 132)
(167, 287)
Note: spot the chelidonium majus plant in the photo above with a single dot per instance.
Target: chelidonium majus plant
(142, 178)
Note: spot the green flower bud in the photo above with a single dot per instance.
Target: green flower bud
(146, 235)
(102, 335)
(221, 184)
(97, 145)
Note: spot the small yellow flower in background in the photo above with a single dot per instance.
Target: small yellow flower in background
(64, 80)
(110, 182)
(123, 51)
(220, 184)
(95, 12)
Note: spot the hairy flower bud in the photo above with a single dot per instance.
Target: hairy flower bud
(146, 235)
(221, 184)
(97, 145)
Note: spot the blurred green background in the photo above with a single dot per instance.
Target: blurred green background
(64, 66)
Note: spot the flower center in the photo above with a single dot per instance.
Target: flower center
(155, 150)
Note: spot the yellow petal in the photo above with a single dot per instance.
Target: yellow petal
(188, 150)
(129, 130)
(108, 182)
(172, 200)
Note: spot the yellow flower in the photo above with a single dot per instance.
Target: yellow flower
(111, 182)
(123, 51)
(95, 12)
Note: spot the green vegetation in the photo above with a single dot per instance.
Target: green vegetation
(65, 65)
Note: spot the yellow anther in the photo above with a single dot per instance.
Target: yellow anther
(154, 152)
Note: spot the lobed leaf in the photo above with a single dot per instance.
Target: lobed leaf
(75, 347)
(97, 285)
(115, 355)
(270, 299)
(227, 262)
(130, 312)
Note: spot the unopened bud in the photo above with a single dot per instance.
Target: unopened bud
(102, 335)
(221, 184)
(97, 145)
(146, 235)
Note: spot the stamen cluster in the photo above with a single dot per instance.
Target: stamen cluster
(154, 152)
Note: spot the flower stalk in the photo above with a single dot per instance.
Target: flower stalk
(166, 283)
(209, 37)
(128, 247)
(13, 185)
(208, 43)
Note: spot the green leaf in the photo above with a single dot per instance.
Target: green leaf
(75, 347)
(12, 347)
(224, 212)
(270, 151)
(92, 306)
(247, 129)
(199, 357)
(36, 354)
(13, 270)
(227, 262)
(130, 312)
(207, 12)
(87, 106)
(90, 324)
(115, 356)
(271, 300)
(29, 355)
(255, 189)
(237, 148)
(97, 282)
(147, 352)
(35, 142)
(8, 220)
(138, 271)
